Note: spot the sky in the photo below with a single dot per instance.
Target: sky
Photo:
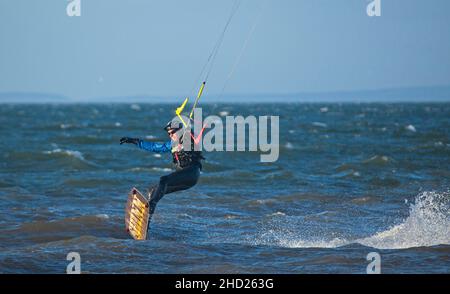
(120, 48)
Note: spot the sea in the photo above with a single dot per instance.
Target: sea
(352, 181)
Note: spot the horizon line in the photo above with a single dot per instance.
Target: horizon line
(307, 96)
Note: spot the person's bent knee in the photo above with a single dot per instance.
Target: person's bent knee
(163, 180)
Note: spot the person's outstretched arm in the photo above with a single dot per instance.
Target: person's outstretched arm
(148, 146)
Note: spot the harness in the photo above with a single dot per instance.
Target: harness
(182, 158)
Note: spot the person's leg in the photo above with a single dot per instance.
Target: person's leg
(176, 181)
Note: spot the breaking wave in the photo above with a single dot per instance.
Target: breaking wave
(70, 153)
(70, 157)
(428, 224)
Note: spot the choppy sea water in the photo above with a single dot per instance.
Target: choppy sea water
(351, 179)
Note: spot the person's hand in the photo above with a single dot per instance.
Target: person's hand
(128, 140)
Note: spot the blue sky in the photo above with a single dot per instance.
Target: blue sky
(157, 48)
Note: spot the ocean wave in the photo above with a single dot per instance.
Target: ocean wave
(365, 200)
(135, 107)
(150, 169)
(346, 167)
(63, 224)
(66, 126)
(378, 160)
(411, 128)
(74, 155)
(428, 224)
(347, 174)
(278, 213)
(57, 158)
(162, 169)
(70, 153)
(213, 166)
(384, 182)
(319, 124)
(289, 145)
(84, 140)
(99, 225)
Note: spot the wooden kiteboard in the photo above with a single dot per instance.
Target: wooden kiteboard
(137, 215)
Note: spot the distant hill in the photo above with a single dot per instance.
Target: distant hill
(412, 94)
(416, 94)
(30, 97)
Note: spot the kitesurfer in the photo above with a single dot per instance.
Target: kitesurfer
(187, 162)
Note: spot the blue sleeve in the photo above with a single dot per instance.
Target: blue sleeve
(155, 147)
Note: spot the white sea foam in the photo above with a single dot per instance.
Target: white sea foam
(283, 237)
(333, 243)
(265, 201)
(289, 145)
(278, 213)
(65, 126)
(319, 124)
(165, 169)
(411, 128)
(138, 169)
(75, 154)
(135, 107)
(378, 159)
(428, 224)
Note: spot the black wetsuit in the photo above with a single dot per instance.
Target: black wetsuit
(188, 167)
(181, 179)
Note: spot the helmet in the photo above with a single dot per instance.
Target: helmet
(173, 126)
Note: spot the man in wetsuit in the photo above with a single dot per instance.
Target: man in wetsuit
(187, 162)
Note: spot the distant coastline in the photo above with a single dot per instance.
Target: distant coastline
(409, 94)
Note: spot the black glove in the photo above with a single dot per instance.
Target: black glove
(128, 140)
